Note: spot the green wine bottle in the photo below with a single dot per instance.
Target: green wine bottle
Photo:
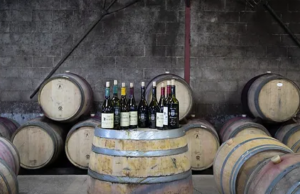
(173, 108)
(153, 108)
(133, 112)
(107, 112)
(116, 105)
(124, 109)
(143, 109)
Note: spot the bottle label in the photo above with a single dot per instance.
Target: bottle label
(159, 119)
(166, 115)
(173, 117)
(133, 118)
(143, 117)
(152, 120)
(124, 119)
(107, 120)
(117, 114)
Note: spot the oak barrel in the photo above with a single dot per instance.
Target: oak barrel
(39, 142)
(184, 93)
(8, 179)
(79, 142)
(7, 127)
(241, 126)
(65, 97)
(203, 143)
(237, 156)
(143, 161)
(278, 175)
(9, 153)
(273, 97)
(290, 136)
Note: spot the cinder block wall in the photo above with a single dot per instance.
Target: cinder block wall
(230, 44)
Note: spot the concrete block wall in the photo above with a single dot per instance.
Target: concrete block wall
(230, 44)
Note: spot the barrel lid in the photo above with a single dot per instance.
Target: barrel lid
(139, 134)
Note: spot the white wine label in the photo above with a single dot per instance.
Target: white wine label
(124, 119)
(166, 115)
(133, 117)
(159, 119)
(107, 120)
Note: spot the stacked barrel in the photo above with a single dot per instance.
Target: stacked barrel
(9, 158)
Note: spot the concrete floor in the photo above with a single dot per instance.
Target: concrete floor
(70, 184)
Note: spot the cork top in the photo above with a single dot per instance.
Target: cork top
(168, 83)
(173, 82)
(143, 84)
(276, 159)
(162, 85)
(131, 85)
(107, 84)
(154, 84)
(123, 84)
(115, 82)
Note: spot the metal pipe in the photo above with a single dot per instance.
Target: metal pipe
(279, 20)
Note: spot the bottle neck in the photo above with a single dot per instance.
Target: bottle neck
(143, 91)
(153, 93)
(173, 92)
(123, 92)
(162, 91)
(168, 91)
(115, 90)
(131, 92)
(107, 93)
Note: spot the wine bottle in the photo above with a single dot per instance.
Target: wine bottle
(107, 112)
(116, 105)
(143, 109)
(166, 107)
(173, 108)
(153, 108)
(133, 113)
(162, 105)
(124, 108)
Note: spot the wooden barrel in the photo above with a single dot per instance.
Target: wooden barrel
(290, 136)
(79, 142)
(7, 127)
(184, 93)
(144, 161)
(237, 156)
(241, 126)
(203, 143)
(278, 175)
(9, 153)
(273, 98)
(8, 179)
(65, 97)
(39, 142)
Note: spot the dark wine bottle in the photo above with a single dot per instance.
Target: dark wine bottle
(116, 105)
(166, 109)
(124, 109)
(133, 112)
(161, 122)
(143, 109)
(107, 111)
(153, 108)
(173, 108)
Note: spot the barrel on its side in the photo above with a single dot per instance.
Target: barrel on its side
(8, 179)
(7, 127)
(272, 97)
(65, 97)
(241, 126)
(9, 153)
(203, 142)
(277, 175)
(144, 161)
(238, 156)
(79, 142)
(290, 136)
(184, 93)
(39, 143)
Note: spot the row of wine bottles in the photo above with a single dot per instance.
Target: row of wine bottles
(125, 114)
